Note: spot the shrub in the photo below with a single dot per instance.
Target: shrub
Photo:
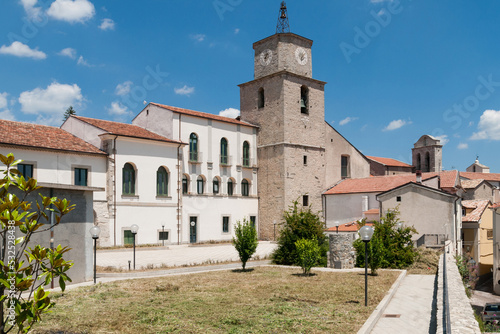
(468, 270)
(300, 224)
(308, 253)
(245, 241)
(24, 271)
(390, 247)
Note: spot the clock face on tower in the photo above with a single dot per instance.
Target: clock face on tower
(265, 57)
(301, 56)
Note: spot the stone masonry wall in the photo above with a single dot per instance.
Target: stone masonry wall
(341, 254)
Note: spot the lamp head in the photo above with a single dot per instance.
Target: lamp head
(95, 231)
(134, 228)
(366, 233)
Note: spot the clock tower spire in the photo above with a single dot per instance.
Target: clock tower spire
(283, 26)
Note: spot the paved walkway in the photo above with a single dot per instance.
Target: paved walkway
(177, 255)
(411, 308)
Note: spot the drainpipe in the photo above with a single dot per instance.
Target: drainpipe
(114, 190)
(179, 186)
(52, 232)
(456, 225)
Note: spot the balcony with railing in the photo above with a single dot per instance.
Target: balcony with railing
(195, 157)
(225, 160)
(247, 162)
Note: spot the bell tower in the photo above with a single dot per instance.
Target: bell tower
(288, 106)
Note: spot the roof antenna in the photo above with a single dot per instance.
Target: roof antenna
(283, 26)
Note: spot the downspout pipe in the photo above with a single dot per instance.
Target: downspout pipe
(114, 190)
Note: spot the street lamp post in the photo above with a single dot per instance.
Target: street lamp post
(366, 233)
(95, 231)
(337, 223)
(134, 228)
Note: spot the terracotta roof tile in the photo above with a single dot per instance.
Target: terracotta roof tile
(348, 227)
(496, 205)
(43, 137)
(388, 182)
(389, 162)
(123, 129)
(204, 115)
(471, 184)
(479, 207)
(484, 176)
(372, 212)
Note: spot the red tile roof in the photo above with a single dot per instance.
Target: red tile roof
(389, 162)
(204, 115)
(484, 176)
(372, 212)
(123, 129)
(348, 227)
(496, 205)
(471, 184)
(388, 182)
(43, 137)
(479, 207)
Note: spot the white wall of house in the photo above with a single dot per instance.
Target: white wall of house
(346, 208)
(496, 250)
(50, 166)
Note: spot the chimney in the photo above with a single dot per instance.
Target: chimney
(419, 176)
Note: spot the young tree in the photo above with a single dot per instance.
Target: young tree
(70, 111)
(308, 253)
(300, 224)
(390, 246)
(24, 268)
(245, 241)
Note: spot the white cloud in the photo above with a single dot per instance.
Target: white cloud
(68, 52)
(7, 115)
(236, 31)
(123, 88)
(32, 11)
(55, 99)
(83, 62)
(198, 37)
(3, 100)
(117, 109)
(463, 146)
(19, 49)
(488, 127)
(396, 124)
(347, 120)
(184, 90)
(107, 24)
(443, 139)
(230, 112)
(73, 11)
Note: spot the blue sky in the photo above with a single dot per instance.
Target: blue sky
(395, 69)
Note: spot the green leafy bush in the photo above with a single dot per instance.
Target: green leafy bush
(390, 246)
(308, 253)
(469, 271)
(300, 224)
(245, 241)
(24, 271)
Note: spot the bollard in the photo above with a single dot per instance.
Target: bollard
(129, 264)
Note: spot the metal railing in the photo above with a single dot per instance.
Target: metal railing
(446, 300)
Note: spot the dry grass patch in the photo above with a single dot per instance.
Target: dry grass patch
(263, 300)
(427, 262)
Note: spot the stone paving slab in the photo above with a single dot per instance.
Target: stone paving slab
(175, 256)
(410, 309)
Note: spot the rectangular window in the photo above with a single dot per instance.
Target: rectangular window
(253, 220)
(81, 176)
(305, 200)
(345, 173)
(225, 224)
(398, 199)
(128, 237)
(489, 234)
(26, 170)
(163, 235)
(305, 160)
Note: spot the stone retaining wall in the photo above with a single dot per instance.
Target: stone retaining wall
(462, 318)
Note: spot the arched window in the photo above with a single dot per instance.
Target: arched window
(304, 100)
(162, 182)
(246, 154)
(223, 151)
(128, 186)
(185, 184)
(245, 189)
(200, 185)
(419, 162)
(230, 187)
(215, 185)
(193, 147)
(261, 98)
(427, 166)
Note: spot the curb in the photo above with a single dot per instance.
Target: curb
(379, 310)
